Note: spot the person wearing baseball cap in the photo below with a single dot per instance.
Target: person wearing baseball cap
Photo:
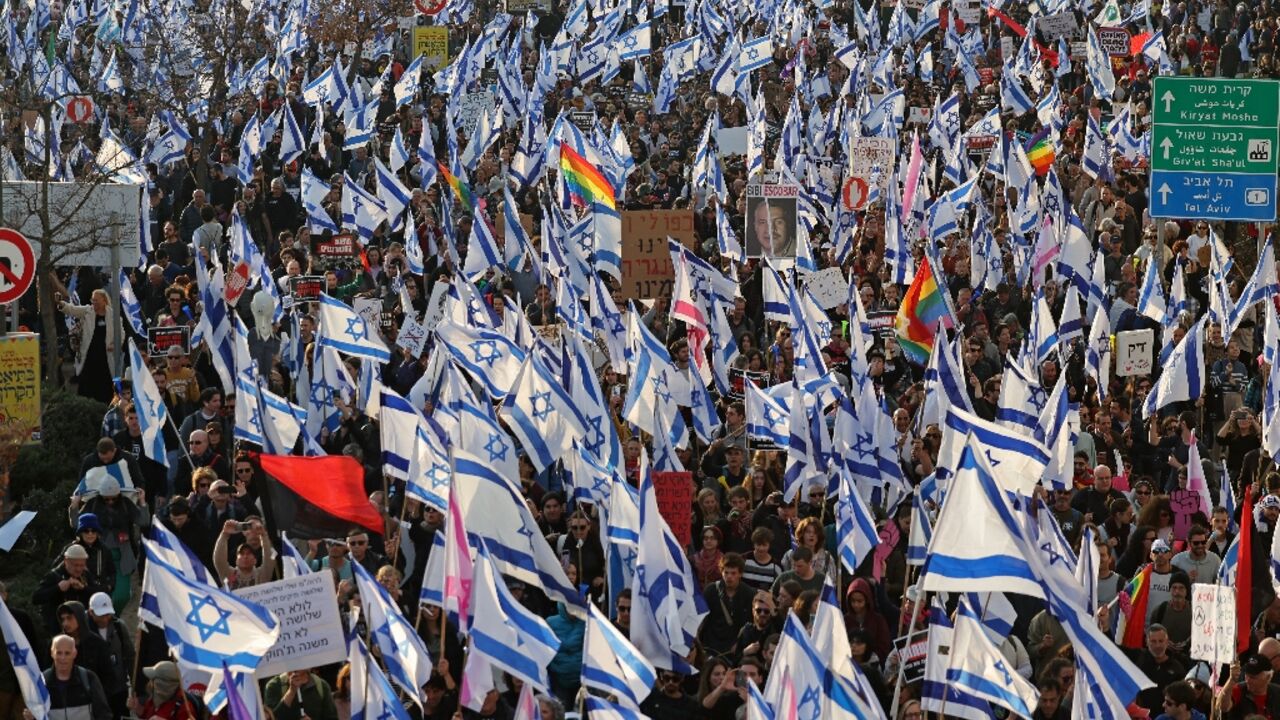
(163, 697)
(1253, 693)
(104, 623)
(70, 580)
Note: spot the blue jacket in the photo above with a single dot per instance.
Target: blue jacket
(566, 667)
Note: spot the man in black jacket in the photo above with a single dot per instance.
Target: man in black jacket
(70, 580)
(92, 652)
(73, 690)
(729, 604)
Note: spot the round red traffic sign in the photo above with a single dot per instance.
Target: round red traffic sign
(430, 7)
(80, 109)
(17, 265)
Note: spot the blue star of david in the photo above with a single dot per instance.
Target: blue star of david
(597, 435)
(322, 394)
(600, 485)
(618, 329)
(864, 445)
(641, 583)
(991, 459)
(438, 475)
(17, 654)
(485, 351)
(752, 54)
(355, 329)
(769, 418)
(541, 404)
(1004, 672)
(660, 387)
(195, 618)
(1039, 397)
(151, 405)
(584, 244)
(631, 41)
(386, 713)
(256, 419)
(824, 328)
(526, 532)
(952, 121)
(1054, 555)
(812, 697)
(496, 447)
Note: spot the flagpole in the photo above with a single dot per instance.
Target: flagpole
(902, 667)
(181, 444)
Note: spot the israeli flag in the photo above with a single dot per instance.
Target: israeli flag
(756, 54)
(206, 627)
(401, 647)
(978, 667)
(506, 633)
(372, 697)
(149, 403)
(342, 329)
(30, 680)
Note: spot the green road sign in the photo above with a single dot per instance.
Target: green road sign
(1214, 145)
(1215, 101)
(1208, 148)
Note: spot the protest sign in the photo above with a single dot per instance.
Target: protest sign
(771, 220)
(20, 381)
(471, 107)
(828, 286)
(342, 246)
(674, 493)
(1185, 504)
(912, 651)
(432, 43)
(738, 381)
(1058, 25)
(412, 336)
(881, 322)
(1115, 41)
(435, 305)
(310, 629)
(647, 271)
(160, 339)
(368, 308)
(872, 159)
(1213, 623)
(306, 288)
(1135, 352)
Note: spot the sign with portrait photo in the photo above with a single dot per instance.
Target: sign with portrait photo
(771, 220)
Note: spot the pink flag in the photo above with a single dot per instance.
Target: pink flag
(913, 171)
(458, 566)
(788, 704)
(527, 707)
(685, 307)
(1195, 477)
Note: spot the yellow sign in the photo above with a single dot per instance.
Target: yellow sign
(20, 380)
(433, 42)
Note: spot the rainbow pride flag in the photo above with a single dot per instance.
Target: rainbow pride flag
(1131, 621)
(587, 186)
(918, 315)
(1040, 152)
(460, 189)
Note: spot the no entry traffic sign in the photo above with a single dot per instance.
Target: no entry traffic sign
(17, 265)
(430, 7)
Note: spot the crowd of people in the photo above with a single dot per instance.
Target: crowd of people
(757, 555)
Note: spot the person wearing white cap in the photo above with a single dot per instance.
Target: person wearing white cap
(1161, 574)
(69, 580)
(103, 622)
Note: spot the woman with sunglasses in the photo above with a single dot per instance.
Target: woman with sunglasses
(1138, 551)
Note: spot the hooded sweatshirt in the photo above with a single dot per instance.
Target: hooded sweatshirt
(871, 621)
(92, 652)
